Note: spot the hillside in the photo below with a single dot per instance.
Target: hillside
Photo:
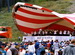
(7, 20)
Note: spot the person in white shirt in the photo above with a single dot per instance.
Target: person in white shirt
(31, 48)
(56, 45)
(60, 32)
(9, 52)
(68, 32)
(22, 51)
(12, 51)
(55, 32)
(64, 32)
(25, 40)
(12, 45)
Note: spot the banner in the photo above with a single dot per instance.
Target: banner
(46, 38)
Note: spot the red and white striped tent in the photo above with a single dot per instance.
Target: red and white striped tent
(30, 18)
(67, 23)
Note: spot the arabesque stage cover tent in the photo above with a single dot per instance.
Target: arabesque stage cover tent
(29, 18)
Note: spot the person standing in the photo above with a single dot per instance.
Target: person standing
(56, 45)
(9, 51)
(60, 52)
(25, 40)
(0, 43)
(22, 51)
(31, 48)
(3, 51)
(70, 50)
(19, 38)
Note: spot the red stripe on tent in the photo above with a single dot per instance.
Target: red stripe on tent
(69, 20)
(59, 27)
(54, 27)
(31, 20)
(34, 13)
(46, 9)
(26, 29)
(28, 4)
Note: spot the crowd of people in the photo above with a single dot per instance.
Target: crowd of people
(53, 33)
(35, 47)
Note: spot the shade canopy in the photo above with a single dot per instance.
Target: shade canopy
(29, 18)
(66, 23)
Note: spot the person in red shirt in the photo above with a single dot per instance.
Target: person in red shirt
(48, 44)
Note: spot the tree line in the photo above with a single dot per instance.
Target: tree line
(8, 3)
(3, 3)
